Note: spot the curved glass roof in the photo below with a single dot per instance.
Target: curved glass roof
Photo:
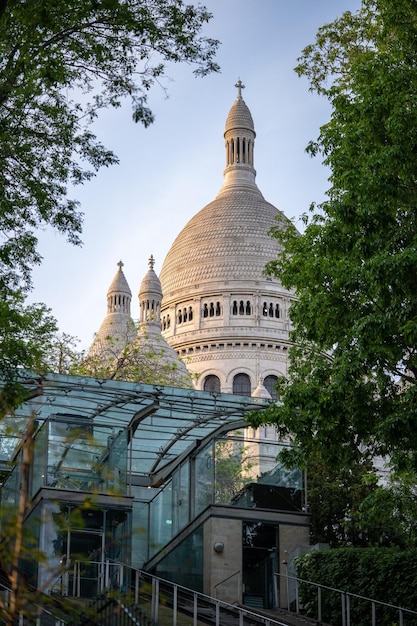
(164, 423)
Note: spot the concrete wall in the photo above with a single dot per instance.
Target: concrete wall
(224, 565)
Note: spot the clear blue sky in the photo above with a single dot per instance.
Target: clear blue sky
(171, 170)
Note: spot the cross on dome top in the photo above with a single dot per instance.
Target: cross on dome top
(239, 86)
(120, 264)
(151, 262)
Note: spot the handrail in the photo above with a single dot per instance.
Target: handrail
(225, 581)
(198, 600)
(345, 601)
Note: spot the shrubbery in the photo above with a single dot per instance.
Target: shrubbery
(384, 574)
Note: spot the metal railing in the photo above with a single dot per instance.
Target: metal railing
(165, 602)
(346, 598)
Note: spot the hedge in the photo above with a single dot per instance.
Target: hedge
(384, 574)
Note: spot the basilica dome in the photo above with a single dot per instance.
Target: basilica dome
(219, 310)
(228, 239)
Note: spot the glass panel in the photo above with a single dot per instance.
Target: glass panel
(249, 474)
(160, 531)
(117, 463)
(204, 479)
(184, 565)
(140, 531)
(40, 475)
(184, 496)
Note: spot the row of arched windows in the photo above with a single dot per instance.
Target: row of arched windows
(241, 308)
(269, 310)
(212, 309)
(241, 384)
(185, 315)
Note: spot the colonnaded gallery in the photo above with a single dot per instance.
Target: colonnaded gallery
(182, 487)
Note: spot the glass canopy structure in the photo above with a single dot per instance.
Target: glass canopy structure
(168, 471)
(162, 423)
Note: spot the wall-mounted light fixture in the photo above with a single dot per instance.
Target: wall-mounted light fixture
(218, 546)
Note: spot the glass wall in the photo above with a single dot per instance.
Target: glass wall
(77, 453)
(184, 565)
(229, 471)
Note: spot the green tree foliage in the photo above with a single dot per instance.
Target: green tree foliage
(384, 574)
(146, 359)
(60, 63)
(335, 498)
(26, 332)
(352, 380)
(387, 516)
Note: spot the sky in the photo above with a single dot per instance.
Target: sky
(169, 171)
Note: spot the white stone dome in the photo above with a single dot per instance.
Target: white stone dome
(219, 310)
(226, 241)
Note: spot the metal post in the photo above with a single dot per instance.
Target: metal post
(174, 607)
(343, 596)
(347, 609)
(195, 610)
(297, 606)
(288, 585)
(401, 618)
(217, 613)
(319, 603)
(155, 600)
(137, 587)
(373, 614)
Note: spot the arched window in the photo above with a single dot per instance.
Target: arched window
(269, 384)
(241, 308)
(211, 309)
(190, 313)
(277, 311)
(212, 383)
(241, 385)
(205, 311)
(185, 315)
(218, 311)
(247, 307)
(180, 317)
(234, 310)
(271, 310)
(265, 309)
(168, 321)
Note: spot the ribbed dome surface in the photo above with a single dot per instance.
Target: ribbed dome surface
(227, 240)
(239, 116)
(151, 284)
(119, 283)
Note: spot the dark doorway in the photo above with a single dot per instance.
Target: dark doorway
(260, 562)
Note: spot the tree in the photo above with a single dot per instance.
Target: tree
(351, 387)
(26, 332)
(146, 359)
(387, 516)
(60, 63)
(335, 498)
